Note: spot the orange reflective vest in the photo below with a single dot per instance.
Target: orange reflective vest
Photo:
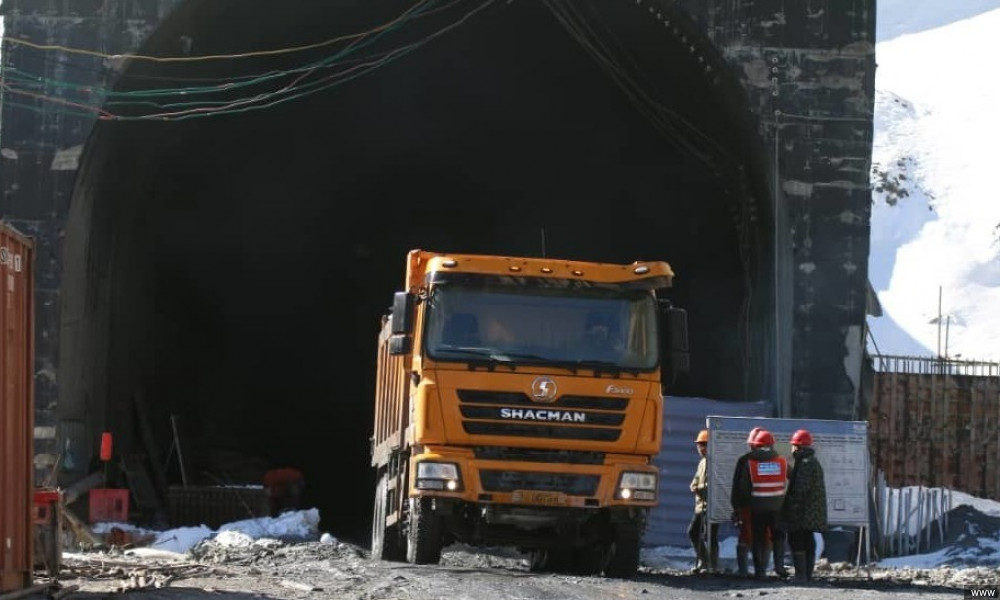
(768, 477)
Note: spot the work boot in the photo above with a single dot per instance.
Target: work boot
(741, 559)
(779, 558)
(801, 570)
(810, 563)
(701, 561)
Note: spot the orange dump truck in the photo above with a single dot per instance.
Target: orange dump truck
(519, 403)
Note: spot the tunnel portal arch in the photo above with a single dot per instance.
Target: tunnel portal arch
(231, 269)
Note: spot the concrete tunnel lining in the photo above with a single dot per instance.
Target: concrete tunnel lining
(232, 269)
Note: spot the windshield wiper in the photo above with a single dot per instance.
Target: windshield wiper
(514, 356)
(603, 366)
(596, 364)
(465, 352)
(477, 355)
(493, 358)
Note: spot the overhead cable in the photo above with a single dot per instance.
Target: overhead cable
(241, 55)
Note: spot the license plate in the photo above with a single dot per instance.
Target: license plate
(544, 498)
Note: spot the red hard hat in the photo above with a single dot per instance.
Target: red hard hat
(752, 434)
(801, 438)
(762, 438)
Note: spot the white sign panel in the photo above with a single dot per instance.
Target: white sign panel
(841, 448)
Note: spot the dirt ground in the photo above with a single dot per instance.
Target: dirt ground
(273, 569)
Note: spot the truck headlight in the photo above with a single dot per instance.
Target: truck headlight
(438, 476)
(637, 486)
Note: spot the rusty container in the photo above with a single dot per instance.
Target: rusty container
(16, 408)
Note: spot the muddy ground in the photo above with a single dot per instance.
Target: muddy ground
(272, 569)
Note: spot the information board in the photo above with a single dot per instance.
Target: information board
(841, 448)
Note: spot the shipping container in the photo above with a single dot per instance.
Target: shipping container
(16, 408)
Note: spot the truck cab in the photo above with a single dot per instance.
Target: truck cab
(519, 403)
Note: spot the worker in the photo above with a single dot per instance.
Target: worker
(760, 484)
(285, 486)
(600, 337)
(741, 511)
(707, 556)
(804, 510)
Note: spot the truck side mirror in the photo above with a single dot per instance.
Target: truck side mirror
(402, 313)
(676, 341)
(400, 344)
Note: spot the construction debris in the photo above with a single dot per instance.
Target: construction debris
(132, 575)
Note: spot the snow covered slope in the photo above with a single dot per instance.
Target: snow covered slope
(935, 161)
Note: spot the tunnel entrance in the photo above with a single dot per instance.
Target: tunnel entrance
(233, 262)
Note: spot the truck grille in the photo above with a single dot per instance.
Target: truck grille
(575, 457)
(568, 418)
(509, 481)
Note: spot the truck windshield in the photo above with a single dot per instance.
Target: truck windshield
(585, 327)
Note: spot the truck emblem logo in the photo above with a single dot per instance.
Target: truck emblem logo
(543, 389)
(619, 389)
(541, 414)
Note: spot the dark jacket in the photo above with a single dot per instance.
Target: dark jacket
(805, 500)
(741, 496)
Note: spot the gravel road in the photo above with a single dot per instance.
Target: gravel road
(273, 569)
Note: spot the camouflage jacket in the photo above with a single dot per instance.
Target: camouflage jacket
(805, 500)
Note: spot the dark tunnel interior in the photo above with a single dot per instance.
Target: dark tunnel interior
(245, 257)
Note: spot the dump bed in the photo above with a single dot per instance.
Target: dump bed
(391, 385)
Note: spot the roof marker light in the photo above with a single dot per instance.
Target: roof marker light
(515, 268)
(450, 262)
(578, 273)
(641, 270)
(546, 270)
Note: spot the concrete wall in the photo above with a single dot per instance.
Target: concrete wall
(809, 72)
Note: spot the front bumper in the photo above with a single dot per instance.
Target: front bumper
(544, 484)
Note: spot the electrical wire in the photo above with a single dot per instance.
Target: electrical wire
(41, 111)
(207, 57)
(415, 11)
(235, 109)
(669, 123)
(100, 112)
(296, 88)
(103, 71)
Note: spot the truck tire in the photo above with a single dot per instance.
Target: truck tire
(590, 561)
(624, 562)
(386, 542)
(551, 560)
(425, 537)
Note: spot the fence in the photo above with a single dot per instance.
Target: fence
(908, 519)
(936, 423)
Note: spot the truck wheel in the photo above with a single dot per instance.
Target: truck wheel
(589, 561)
(551, 560)
(624, 561)
(386, 544)
(426, 535)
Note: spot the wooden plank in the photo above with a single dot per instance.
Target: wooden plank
(936, 424)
